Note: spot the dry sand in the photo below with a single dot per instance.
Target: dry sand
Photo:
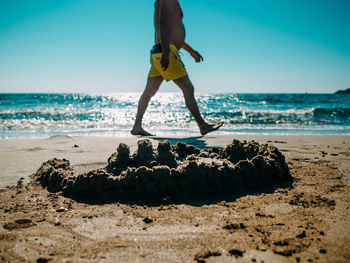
(304, 223)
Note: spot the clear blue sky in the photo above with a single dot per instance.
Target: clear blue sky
(103, 45)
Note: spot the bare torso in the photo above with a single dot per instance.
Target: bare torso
(177, 28)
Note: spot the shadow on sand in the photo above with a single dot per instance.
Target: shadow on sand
(191, 201)
(197, 141)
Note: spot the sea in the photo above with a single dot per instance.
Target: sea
(35, 115)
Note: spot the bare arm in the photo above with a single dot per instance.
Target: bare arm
(165, 13)
(197, 57)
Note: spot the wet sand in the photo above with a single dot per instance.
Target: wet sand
(307, 222)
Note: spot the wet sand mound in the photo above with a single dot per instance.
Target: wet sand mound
(171, 172)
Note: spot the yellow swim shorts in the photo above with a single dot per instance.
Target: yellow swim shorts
(176, 68)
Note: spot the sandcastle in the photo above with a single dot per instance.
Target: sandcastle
(172, 172)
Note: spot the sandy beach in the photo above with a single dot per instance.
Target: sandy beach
(306, 222)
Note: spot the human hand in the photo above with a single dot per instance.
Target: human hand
(197, 57)
(164, 61)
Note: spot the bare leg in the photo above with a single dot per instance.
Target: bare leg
(188, 90)
(153, 84)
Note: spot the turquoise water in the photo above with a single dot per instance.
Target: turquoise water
(43, 115)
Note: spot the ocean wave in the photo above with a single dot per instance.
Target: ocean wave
(315, 115)
(109, 118)
(88, 113)
(343, 113)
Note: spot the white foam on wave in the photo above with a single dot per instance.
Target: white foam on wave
(113, 114)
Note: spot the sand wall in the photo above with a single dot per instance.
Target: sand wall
(171, 172)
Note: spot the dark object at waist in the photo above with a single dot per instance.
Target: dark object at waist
(157, 48)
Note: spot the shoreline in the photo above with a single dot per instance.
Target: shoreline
(193, 133)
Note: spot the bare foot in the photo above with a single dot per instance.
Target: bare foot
(210, 127)
(141, 132)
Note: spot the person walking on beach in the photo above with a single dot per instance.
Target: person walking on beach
(166, 64)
